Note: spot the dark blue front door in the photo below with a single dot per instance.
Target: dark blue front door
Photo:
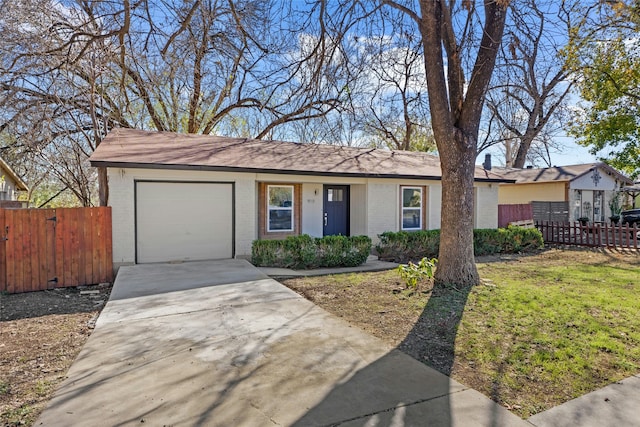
(336, 210)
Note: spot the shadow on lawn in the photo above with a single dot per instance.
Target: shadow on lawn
(431, 341)
(432, 338)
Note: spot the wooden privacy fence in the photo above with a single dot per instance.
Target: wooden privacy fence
(594, 235)
(551, 211)
(48, 248)
(514, 213)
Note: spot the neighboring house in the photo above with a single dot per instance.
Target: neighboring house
(634, 193)
(10, 186)
(189, 197)
(586, 189)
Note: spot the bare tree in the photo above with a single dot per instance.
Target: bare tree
(395, 103)
(70, 72)
(528, 101)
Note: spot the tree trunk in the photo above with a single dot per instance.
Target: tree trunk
(456, 109)
(523, 150)
(103, 186)
(456, 262)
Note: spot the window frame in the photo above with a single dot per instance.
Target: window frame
(403, 208)
(280, 208)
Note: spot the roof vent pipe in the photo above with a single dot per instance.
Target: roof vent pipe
(487, 162)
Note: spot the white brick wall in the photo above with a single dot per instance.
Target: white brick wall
(246, 213)
(312, 209)
(358, 209)
(122, 211)
(486, 205)
(383, 208)
(375, 204)
(435, 206)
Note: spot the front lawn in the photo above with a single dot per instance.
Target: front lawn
(539, 331)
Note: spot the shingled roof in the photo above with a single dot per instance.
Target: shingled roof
(558, 173)
(129, 148)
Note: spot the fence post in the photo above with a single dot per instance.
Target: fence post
(627, 235)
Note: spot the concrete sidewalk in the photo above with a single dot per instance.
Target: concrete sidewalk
(617, 404)
(372, 264)
(221, 344)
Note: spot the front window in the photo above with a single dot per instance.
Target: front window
(280, 208)
(411, 208)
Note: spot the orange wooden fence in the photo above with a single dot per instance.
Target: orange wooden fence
(48, 248)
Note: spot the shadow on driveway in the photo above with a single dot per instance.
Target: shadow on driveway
(205, 350)
(440, 400)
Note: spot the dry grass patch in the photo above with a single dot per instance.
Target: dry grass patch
(41, 333)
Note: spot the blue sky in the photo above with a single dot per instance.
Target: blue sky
(571, 154)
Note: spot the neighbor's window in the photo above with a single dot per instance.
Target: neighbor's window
(598, 205)
(577, 206)
(280, 208)
(411, 208)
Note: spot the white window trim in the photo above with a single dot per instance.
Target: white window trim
(406, 187)
(290, 208)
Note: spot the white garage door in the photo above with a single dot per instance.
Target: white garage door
(183, 221)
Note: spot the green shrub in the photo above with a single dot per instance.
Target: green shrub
(489, 241)
(412, 273)
(512, 239)
(405, 246)
(305, 252)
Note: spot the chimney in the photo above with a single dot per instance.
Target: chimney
(487, 162)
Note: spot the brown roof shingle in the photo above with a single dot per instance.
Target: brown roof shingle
(144, 149)
(557, 173)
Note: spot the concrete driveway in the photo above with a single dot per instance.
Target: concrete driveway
(220, 344)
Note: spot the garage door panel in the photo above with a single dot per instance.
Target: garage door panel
(183, 221)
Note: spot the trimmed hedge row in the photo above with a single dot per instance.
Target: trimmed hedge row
(406, 246)
(508, 240)
(305, 252)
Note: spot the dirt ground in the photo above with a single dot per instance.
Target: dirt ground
(41, 334)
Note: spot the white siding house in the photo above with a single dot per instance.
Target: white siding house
(178, 197)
